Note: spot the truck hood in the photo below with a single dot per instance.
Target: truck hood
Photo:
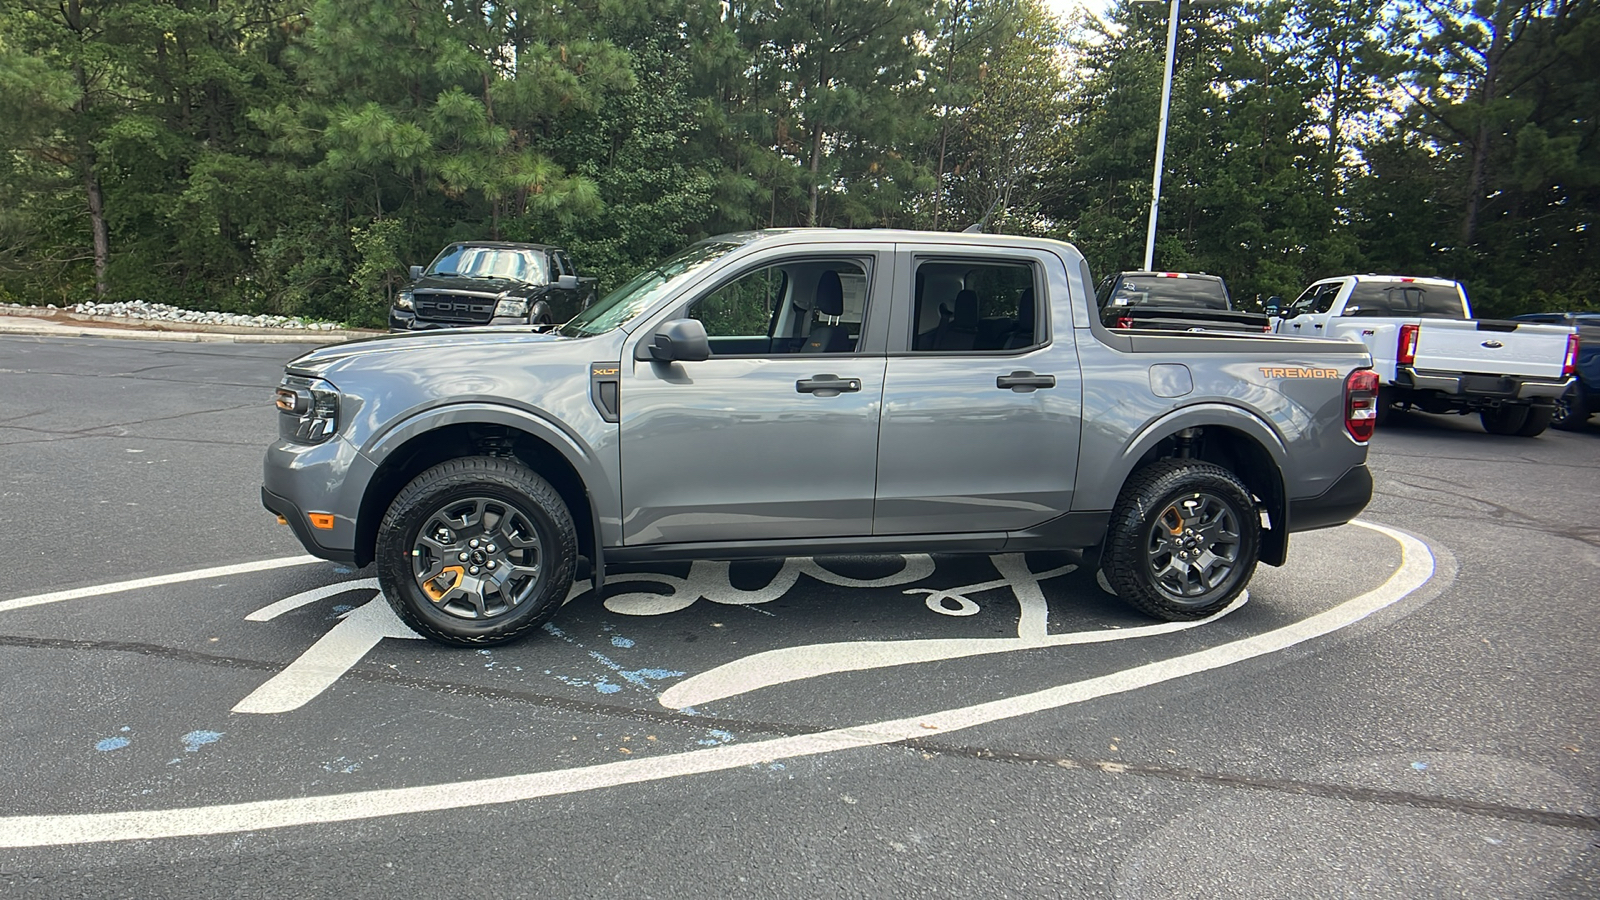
(409, 348)
(466, 283)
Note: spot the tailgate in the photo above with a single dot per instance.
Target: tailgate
(1492, 348)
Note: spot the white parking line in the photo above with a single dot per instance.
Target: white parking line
(155, 581)
(1416, 568)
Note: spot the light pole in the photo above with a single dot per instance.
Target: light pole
(1161, 138)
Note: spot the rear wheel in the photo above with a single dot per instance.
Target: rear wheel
(1539, 418)
(476, 551)
(1572, 409)
(1505, 419)
(1184, 540)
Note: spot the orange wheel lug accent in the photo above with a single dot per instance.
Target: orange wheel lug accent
(435, 593)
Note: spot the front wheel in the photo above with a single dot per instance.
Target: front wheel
(1184, 540)
(476, 551)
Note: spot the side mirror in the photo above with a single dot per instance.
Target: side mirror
(1274, 305)
(567, 282)
(680, 340)
(416, 272)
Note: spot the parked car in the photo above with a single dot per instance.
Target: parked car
(1582, 399)
(492, 283)
(784, 393)
(1173, 301)
(1433, 356)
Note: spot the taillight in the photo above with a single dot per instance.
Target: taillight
(1124, 322)
(1267, 328)
(1570, 365)
(1405, 352)
(1361, 404)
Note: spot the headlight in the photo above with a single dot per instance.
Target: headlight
(404, 300)
(309, 409)
(511, 307)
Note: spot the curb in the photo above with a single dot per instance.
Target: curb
(36, 326)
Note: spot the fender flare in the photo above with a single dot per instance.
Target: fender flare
(598, 490)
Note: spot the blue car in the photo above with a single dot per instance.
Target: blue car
(1582, 400)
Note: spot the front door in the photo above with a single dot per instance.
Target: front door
(776, 435)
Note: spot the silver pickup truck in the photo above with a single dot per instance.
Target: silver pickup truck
(812, 392)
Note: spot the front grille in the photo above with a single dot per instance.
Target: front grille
(441, 307)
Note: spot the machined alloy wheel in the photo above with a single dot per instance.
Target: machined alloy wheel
(476, 551)
(1183, 541)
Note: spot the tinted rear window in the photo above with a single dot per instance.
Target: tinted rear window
(1417, 301)
(1199, 293)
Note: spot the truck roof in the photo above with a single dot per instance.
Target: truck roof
(966, 238)
(503, 245)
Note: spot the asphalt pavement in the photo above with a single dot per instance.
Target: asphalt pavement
(1404, 710)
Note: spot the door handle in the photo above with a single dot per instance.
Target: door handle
(827, 385)
(1023, 381)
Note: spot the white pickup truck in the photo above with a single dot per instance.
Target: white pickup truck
(1430, 354)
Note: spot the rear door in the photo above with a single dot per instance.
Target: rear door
(981, 403)
(776, 435)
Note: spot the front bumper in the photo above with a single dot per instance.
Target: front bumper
(1340, 503)
(298, 480)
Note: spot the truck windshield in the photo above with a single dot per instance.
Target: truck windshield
(490, 262)
(622, 305)
(1405, 299)
(1156, 290)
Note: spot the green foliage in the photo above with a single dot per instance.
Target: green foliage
(295, 156)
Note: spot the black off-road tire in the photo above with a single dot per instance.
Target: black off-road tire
(1538, 420)
(1141, 546)
(531, 524)
(1572, 410)
(1505, 419)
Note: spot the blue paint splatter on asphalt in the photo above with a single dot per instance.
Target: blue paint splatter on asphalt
(717, 738)
(622, 642)
(637, 677)
(194, 740)
(606, 687)
(111, 743)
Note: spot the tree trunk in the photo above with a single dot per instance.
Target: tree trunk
(1480, 148)
(97, 219)
(816, 161)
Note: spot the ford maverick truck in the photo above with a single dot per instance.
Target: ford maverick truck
(1430, 354)
(801, 392)
(491, 283)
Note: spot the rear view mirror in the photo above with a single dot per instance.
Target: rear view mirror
(679, 340)
(567, 282)
(416, 272)
(1274, 305)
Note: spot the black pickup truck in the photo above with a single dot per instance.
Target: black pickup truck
(1173, 301)
(492, 283)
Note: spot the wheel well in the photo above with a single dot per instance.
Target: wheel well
(470, 439)
(1244, 456)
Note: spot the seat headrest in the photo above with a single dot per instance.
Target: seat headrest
(966, 310)
(830, 295)
(1025, 310)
